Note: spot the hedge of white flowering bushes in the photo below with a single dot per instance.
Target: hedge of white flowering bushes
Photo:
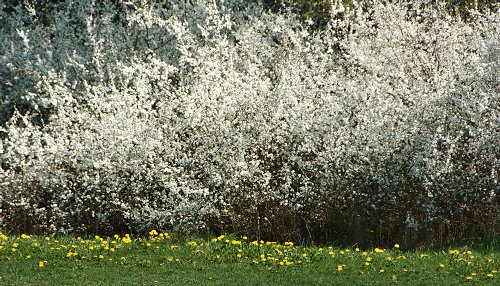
(221, 116)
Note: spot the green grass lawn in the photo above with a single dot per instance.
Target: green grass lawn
(161, 259)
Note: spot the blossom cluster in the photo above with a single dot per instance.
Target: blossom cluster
(220, 115)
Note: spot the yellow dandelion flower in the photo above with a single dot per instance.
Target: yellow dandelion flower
(469, 278)
(369, 259)
(489, 275)
(339, 268)
(25, 236)
(153, 233)
(441, 265)
(381, 271)
(379, 250)
(356, 249)
(41, 264)
(396, 245)
(126, 239)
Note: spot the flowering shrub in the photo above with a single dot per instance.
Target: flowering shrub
(222, 116)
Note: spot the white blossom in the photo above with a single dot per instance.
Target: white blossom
(219, 114)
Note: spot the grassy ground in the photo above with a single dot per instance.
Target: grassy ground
(161, 259)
